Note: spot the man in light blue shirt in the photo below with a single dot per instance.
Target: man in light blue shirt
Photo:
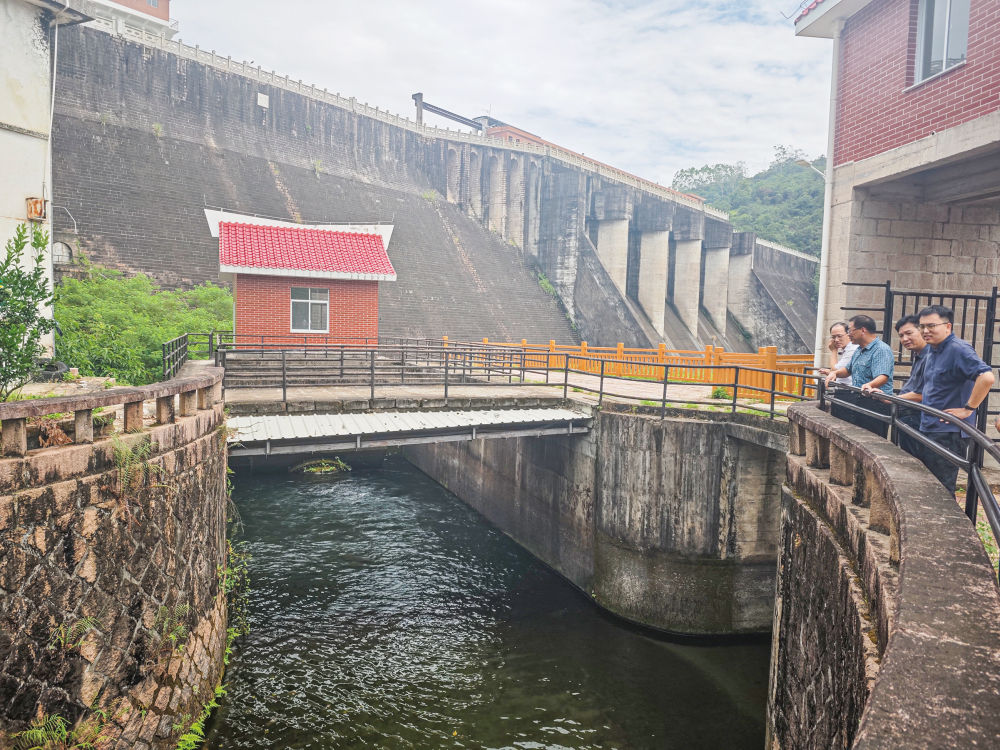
(871, 369)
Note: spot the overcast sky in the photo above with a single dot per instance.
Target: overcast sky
(648, 86)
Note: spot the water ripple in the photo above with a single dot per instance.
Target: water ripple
(386, 614)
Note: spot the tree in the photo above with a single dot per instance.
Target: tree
(113, 325)
(693, 179)
(24, 293)
(784, 203)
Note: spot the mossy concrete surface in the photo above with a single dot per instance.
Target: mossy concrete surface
(121, 565)
(669, 523)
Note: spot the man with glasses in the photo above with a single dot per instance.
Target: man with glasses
(908, 328)
(871, 369)
(841, 350)
(956, 381)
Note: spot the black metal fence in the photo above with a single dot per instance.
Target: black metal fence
(178, 351)
(975, 321)
(979, 445)
(433, 362)
(445, 364)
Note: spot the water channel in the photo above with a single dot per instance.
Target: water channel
(387, 614)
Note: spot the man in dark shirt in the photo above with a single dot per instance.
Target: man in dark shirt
(956, 381)
(909, 335)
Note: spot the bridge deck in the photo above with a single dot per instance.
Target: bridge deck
(264, 435)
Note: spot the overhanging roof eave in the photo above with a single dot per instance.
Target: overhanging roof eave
(305, 274)
(822, 20)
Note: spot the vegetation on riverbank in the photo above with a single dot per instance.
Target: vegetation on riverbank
(114, 326)
(24, 293)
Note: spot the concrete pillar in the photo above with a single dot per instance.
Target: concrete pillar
(687, 281)
(515, 201)
(654, 258)
(496, 208)
(133, 416)
(612, 249)
(716, 296)
(165, 411)
(84, 426)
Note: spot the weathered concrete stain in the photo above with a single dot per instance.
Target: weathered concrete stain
(672, 524)
(75, 544)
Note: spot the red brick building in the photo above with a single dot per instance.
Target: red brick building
(157, 8)
(300, 282)
(131, 18)
(914, 182)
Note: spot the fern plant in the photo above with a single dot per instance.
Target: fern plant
(170, 631)
(54, 733)
(195, 735)
(68, 637)
(133, 463)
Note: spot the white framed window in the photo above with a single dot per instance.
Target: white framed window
(942, 36)
(153, 3)
(310, 310)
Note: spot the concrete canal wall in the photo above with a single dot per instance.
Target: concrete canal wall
(107, 548)
(672, 524)
(887, 616)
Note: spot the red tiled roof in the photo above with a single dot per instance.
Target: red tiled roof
(302, 251)
(808, 9)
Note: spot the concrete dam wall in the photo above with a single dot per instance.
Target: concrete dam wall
(107, 548)
(672, 524)
(147, 135)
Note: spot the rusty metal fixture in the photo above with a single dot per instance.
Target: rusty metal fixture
(36, 208)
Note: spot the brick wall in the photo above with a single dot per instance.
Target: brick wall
(263, 305)
(876, 112)
(162, 9)
(926, 246)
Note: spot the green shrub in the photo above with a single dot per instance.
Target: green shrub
(24, 292)
(113, 326)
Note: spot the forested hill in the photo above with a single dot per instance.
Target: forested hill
(783, 204)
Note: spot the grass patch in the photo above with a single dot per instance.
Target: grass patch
(322, 466)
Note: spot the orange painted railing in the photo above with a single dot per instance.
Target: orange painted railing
(691, 366)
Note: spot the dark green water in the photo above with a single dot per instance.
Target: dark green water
(386, 614)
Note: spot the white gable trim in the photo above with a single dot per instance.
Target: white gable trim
(302, 274)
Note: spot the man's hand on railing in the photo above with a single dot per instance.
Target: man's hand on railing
(961, 412)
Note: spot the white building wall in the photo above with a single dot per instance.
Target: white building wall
(25, 91)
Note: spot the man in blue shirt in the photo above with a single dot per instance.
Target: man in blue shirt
(908, 329)
(871, 370)
(956, 381)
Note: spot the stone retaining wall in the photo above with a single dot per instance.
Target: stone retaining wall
(887, 614)
(672, 524)
(78, 540)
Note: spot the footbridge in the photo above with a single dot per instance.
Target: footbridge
(300, 398)
(298, 434)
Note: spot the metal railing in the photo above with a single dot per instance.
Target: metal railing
(446, 364)
(706, 365)
(178, 351)
(434, 362)
(979, 445)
